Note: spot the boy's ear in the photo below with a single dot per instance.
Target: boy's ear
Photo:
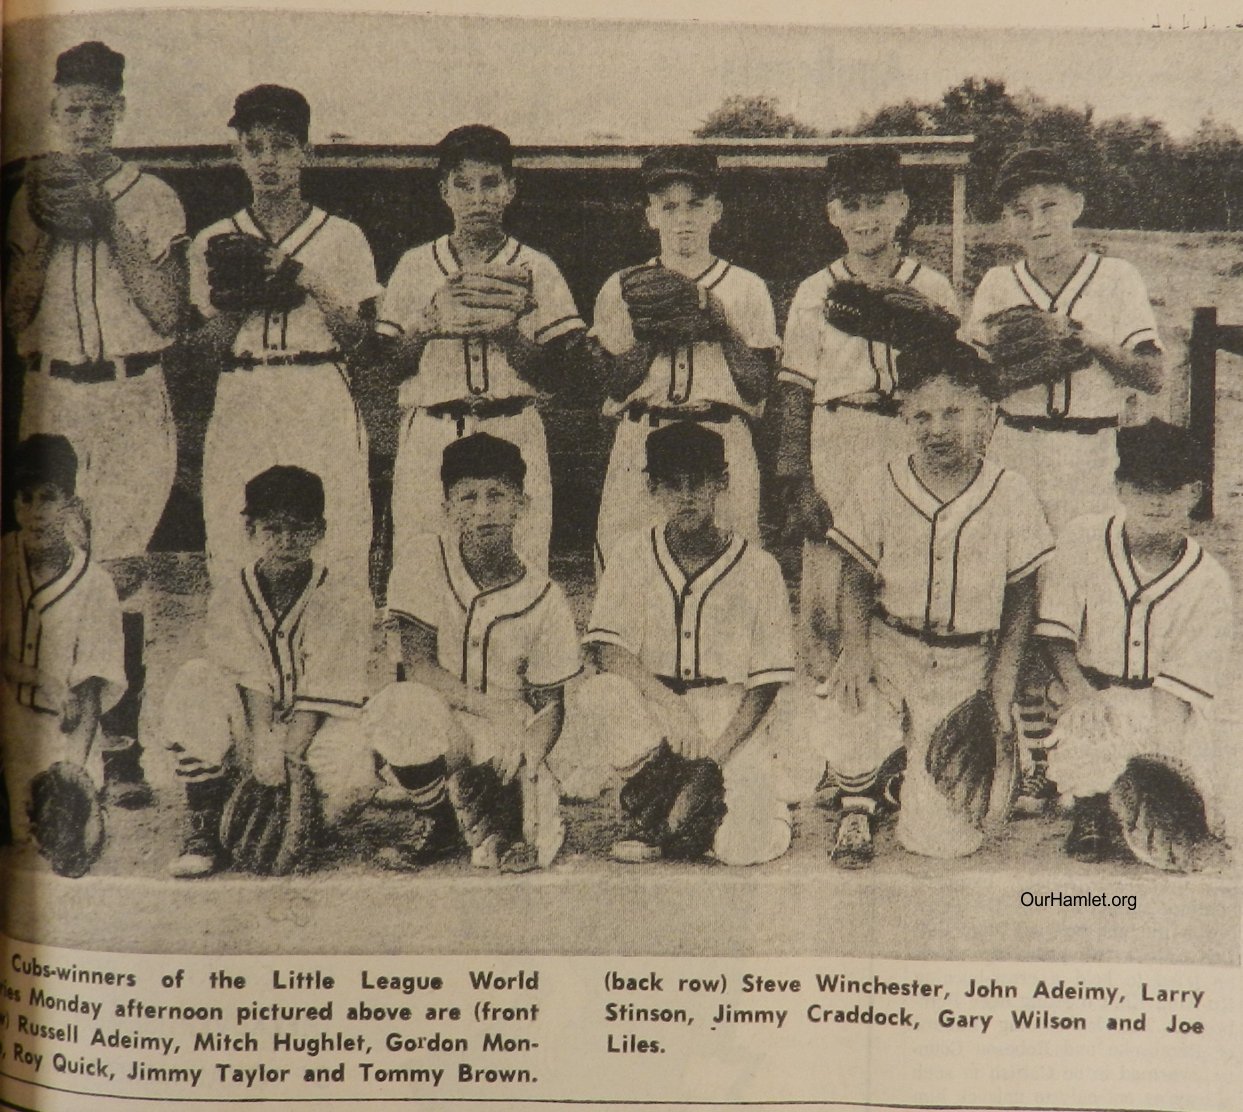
(716, 208)
(833, 209)
(1079, 202)
(649, 213)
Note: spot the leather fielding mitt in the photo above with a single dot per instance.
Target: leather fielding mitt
(896, 315)
(665, 306)
(66, 819)
(63, 199)
(676, 803)
(268, 828)
(1029, 347)
(1162, 816)
(240, 280)
(482, 298)
(962, 757)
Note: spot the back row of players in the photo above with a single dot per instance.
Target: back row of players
(920, 568)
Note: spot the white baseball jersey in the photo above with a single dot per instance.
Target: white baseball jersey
(500, 641)
(471, 366)
(1173, 630)
(1106, 296)
(86, 312)
(698, 373)
(68, 628)
(943, 567)
(833, 364)
(333, 248)
(313, 657)
(730, 622)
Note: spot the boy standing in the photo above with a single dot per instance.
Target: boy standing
(477, 324)
(705, 356)
(284, 668)
(938, 595)
(283, 286)
(63, 664)
(1136, 618)
(691, 631)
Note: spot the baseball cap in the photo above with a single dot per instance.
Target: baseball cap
(91, 63)
(45, 458)
(1032, 166)
(482, 456)
(283, 489)
(858, 171)
(696, 165)
(273, 104)
(685, 448)
(479, 142)
(1158, 456)
(959, 362)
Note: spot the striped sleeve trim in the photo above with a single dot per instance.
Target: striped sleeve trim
(598, 636)
(1140, 336)
(548, 685)
(1054, 630)
(769, 676)
(556, 328)
(389, 328)
(852, 549)
(1188, 692)
(406, 616)
(1024, 570)
(174, 244)
(796, 378)
(339, 708)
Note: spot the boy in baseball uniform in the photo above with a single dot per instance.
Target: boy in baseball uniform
(1061, 435)
(1136, 617)
(283, 668)
(836, 411)
(284, 287)
(476, 324)
(713, 367)
(63, 663)
(487, 646)
(691, 632)
(938, 594)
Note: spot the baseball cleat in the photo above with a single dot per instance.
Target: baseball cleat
(192, 865)
(634, 852)
(1093, 829)
(853, 847)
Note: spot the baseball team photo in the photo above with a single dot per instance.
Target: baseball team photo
(494, 485)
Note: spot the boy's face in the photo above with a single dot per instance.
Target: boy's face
(949, 424)
(683, 215)
(688, 502)
(1040, 219)
(485, 510)
(478, 193)
(86, 117)
(271, 158)
(284, 541)
(1157, 514)
(869, 222)
(43, 512)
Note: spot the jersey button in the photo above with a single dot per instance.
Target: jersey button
(686, 636)
(1136, 644)
(475, 642)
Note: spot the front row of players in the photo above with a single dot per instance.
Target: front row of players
(691, 718)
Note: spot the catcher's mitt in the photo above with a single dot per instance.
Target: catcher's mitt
(66, 818)
(894, 315)
(664, 305)
(63, 199)
(1161, 813)
(676, 803)
(962, 756)
(239, 278)
(267, 828)
(1028, 347)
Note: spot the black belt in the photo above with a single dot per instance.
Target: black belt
(681, 687)
(886, 405)
(105, 370)
(1084, 426)
(1102, 680)
(936, 640)
(480, 408)
(284, 359)
(715, 413)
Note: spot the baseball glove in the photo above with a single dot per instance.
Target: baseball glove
(676, 803)
(894, 315)
(962, 756)
(1028, 347)
(1161, 813)
(63, 199)
(268, 828)
(239, 277)
(66, 819)
(664, 305)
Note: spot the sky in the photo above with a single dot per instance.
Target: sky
(388, 78)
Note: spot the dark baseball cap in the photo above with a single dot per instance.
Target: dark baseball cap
(292, 491)
(482, 456)
(476, 142)
(273, 104)
(696, 165)
(1158, 456)
(685, 448)
(959, 362)
(1032, 166)
(45, 458)
(863, 171)
(91, 63)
